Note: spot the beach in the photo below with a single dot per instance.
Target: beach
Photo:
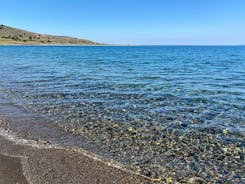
(147, 114)
(122, 92)
(25, 163)
(11, 170)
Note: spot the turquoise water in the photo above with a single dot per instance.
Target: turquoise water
(164, 111)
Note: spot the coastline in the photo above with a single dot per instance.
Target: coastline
(40, 162)
(74, 45)
(119, 45)
(84, 102)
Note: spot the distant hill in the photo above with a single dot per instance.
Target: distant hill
(13, 36)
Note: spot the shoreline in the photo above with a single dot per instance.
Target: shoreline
(118, 45)
(41, 162)
(11, 170)
(85, 99)
(72, 45)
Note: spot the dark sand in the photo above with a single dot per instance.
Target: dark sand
(11, 171)
(25, 163)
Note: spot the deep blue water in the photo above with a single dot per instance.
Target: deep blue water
(139, 103)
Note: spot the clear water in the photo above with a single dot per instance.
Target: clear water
(168, 112)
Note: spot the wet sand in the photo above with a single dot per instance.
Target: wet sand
(11, 170)
(23, 163)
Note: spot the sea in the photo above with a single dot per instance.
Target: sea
(168, 112)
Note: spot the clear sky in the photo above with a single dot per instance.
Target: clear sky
(166, 22)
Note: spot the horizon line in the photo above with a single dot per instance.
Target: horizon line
(118, 44)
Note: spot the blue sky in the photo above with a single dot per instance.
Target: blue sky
(165, 22)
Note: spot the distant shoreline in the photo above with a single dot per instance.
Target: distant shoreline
(54, 45)
(111, 45)
(15, 36)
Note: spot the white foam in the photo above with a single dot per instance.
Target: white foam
(11, 136)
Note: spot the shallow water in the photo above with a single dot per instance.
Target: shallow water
(167, 112)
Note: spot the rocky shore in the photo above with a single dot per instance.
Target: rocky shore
(24, 162)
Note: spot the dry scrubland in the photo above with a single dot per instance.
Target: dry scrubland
(13, 36)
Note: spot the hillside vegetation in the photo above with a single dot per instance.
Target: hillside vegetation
(13, 36)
